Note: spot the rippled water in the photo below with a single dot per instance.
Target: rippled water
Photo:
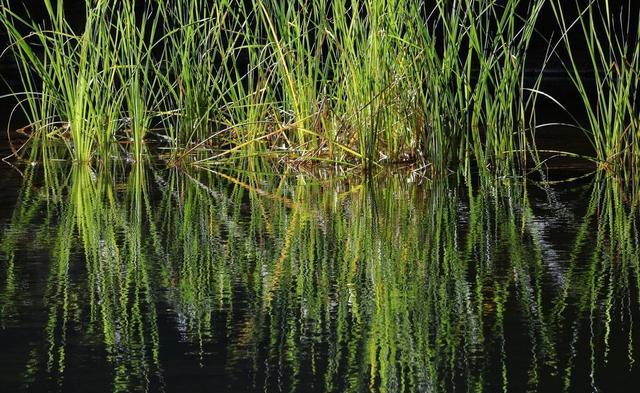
(140, 279)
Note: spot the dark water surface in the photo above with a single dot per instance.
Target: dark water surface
(140, 279)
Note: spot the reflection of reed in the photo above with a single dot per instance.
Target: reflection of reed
(599, 293)
(23, 214)
(329, 285)
(112, 300)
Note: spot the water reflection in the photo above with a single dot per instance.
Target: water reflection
(137, 279)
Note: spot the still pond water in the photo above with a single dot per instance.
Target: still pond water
(142, 279)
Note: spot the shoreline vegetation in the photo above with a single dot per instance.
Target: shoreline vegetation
(358, 83)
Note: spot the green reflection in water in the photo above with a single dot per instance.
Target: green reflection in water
(294, 284)
(111, 298)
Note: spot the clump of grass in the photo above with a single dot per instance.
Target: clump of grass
(133, 46)
(88, 89)
(370, 82)
(68, 77)
(188, 69)
(472, 103)
(361, 82)
(613, 47)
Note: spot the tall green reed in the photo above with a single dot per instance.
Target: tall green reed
(75, 101)
(359, 83)
(134, 43)
(473, 104)
(608, 83)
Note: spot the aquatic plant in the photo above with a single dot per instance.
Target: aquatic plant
(608, 86)
(68, 77)
(358, 83)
